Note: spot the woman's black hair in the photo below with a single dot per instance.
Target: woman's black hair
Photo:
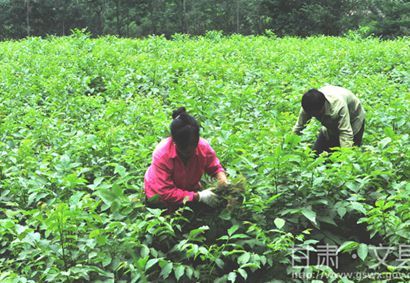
(184, 129)
(313, 101)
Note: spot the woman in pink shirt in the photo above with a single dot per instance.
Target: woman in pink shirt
(178, 163)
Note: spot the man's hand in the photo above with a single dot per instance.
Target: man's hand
(208, 197)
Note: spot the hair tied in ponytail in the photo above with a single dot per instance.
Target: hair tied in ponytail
(177, 113)
(184, 128)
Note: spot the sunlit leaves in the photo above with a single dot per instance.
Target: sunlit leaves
(80, 118)
(309, 214)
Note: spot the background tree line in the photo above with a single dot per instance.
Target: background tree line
(134, 18)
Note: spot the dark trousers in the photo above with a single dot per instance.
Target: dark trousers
(324, 144)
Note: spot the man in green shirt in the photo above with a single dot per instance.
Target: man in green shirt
(340, 113)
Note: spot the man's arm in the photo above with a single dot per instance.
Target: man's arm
(345, 128)
(302, 120)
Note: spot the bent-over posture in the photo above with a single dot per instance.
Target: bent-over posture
(178, 163)
(339, 111)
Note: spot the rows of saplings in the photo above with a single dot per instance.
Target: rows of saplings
(80, 117)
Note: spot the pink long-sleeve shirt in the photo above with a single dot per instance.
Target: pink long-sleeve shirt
(174, 181)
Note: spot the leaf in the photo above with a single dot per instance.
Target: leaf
(239, 236)
(203, 250)
(345, 280)
(144, 251)
(96, 183)
(32, 238)
(279, 222)
(243, 273)
(120, 170)
(233, 229)
(101, 272)
(94, 233)
(189, 272)
(220, 263)
(106, 260)
(150, 263)
(358, 207)
(110, 195)
(347, 246)
(341, 211)
(389, 205)
(232, 276)
(135, 276)
(309, 214)
(195, 232)
(379, 202)
(166, 270)
(20, 229)
(244, 258)
(75, 198)
(272, 198)
(385, 142)
(179, 271)
(251, 265)
(362, 251)
(326, 219)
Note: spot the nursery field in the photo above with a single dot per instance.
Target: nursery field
(80, 118)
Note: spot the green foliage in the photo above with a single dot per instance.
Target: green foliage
(126, 18)
(80, 118)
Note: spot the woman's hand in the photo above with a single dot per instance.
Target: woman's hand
(222, 180)
(208, 197)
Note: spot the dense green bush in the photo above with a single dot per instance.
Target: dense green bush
(80, 118)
